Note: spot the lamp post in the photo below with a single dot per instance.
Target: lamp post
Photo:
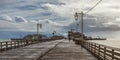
(82, 27)
(38, 26)
(54, 33)
(76, 18)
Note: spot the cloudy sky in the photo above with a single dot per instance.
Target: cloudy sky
(23, 15)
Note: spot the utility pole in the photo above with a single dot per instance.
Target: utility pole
(38, 26)
(77, 15)
(38, 31)
(82, 26)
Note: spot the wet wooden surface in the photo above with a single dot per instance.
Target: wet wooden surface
(68, 51)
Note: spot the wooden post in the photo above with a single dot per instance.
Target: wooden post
(1, 45)
(91, 47)
(95, 49)
(112, 54)
(18, 44)
(14, 44)
(99, 51)
(6, 45)
(104, 53)
(11, 44)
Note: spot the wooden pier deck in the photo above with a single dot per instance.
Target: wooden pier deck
(68, 51)
(52, 50)
(30, 52)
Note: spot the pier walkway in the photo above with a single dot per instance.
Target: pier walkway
(68, 51)
(30, 52)
(52, 50)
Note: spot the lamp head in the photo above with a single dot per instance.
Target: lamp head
(76, 16)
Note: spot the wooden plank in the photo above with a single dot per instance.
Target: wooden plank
(68, 51)
(31, 52)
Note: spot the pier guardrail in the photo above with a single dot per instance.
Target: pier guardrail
(103, 52)
(5, 45)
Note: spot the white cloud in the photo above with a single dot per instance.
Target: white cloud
(47, 21)
(19, 19)
(5, 17)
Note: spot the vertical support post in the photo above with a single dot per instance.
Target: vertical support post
(14, 44)
(38, 31)
(1, 45)
(6, 45)
(104, 53)
(112, 54)
(18, 44)
(11, 44)
(82, 41)
(95, 49)
(99, 52)
(82, 15)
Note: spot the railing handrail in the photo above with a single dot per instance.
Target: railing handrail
(102, 52)
(5, 45)
(115, 48)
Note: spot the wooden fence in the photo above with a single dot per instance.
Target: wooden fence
(103, 52)
(17, 43)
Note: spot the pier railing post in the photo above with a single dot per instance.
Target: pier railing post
(99, 52)
(95, 49)
(6, 46)
(18, 44)
(104, 53)
(112, 54)
(1, 46)
(11, 44)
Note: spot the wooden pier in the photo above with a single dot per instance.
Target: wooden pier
(68, 51)
(30, 52)
(103, 52)
(59, 50)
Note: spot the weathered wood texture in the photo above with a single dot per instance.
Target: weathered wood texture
(103, 52)
(30, 52)
(17, 43)
(68, 51)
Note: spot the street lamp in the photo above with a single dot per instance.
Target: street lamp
(76, 16)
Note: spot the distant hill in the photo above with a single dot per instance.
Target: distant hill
(18, 34)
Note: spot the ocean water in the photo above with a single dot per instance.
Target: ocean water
(1, 40)
(111, 43)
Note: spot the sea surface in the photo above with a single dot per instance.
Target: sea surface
(111, 43)
(1, 40)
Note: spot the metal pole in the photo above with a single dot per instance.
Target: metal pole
(38, 30)
(82, 22)
(82, 41)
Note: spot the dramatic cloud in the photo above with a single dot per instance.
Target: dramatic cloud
(58, 15)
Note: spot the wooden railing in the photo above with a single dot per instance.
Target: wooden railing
(103, 52)
(17, 43)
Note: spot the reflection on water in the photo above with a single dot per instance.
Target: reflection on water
(112, 43)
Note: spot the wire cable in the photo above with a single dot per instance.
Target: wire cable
(93, 7)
